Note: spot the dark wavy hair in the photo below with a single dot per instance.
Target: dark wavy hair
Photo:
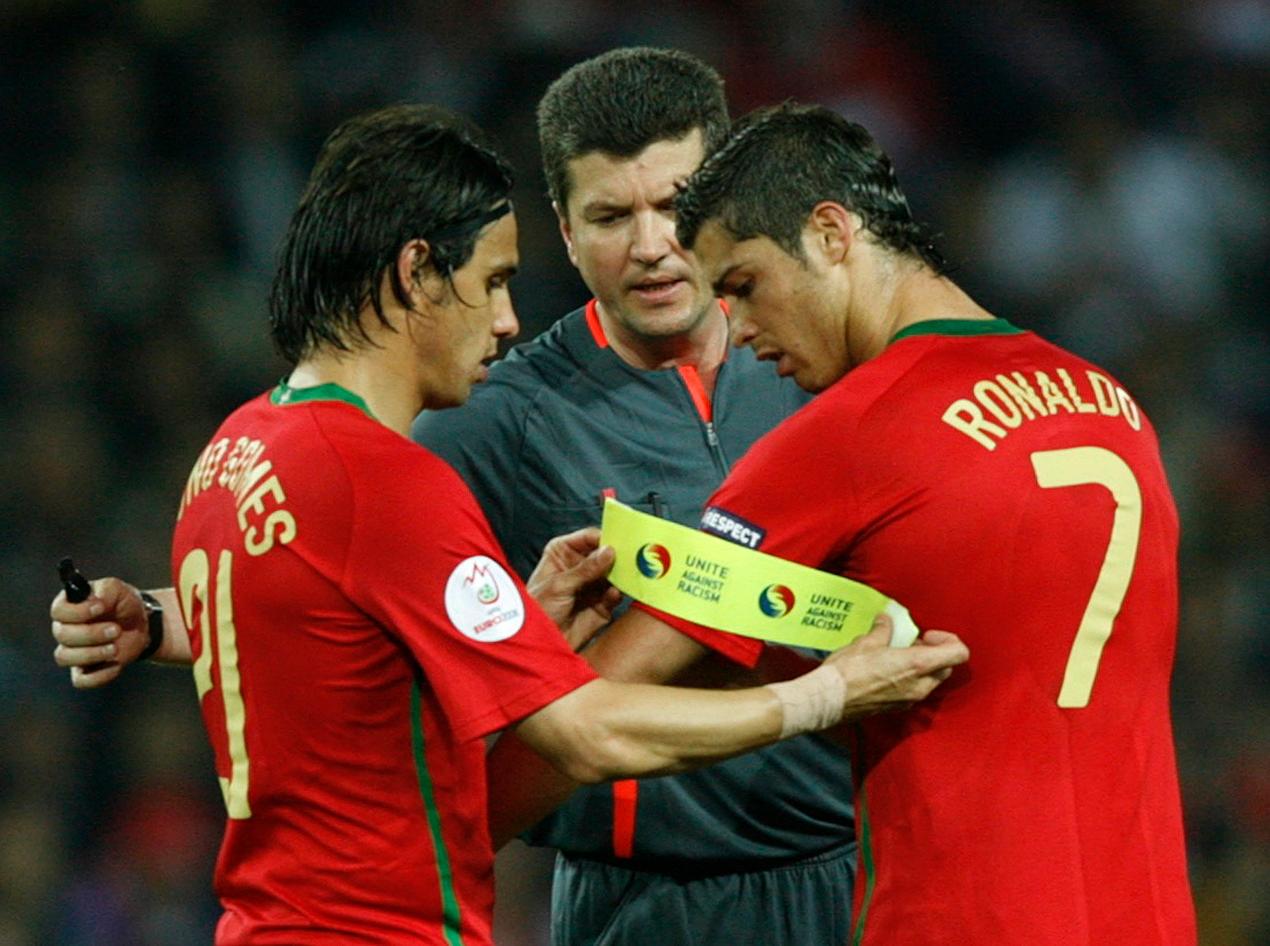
(780, 162)
(622, 101)
(381, 179)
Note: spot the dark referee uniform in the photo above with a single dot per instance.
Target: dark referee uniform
(758, 849)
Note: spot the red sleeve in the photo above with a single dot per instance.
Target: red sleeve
(424, 564)
(743, 650)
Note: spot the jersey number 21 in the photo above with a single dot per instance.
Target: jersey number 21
(197, 586)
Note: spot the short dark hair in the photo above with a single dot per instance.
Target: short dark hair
(381, 179)
(780, 162)
(622, 101)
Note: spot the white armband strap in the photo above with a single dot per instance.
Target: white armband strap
(811, 702)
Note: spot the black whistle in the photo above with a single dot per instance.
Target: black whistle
(77, 587)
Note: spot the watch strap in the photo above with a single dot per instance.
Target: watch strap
(154, 615)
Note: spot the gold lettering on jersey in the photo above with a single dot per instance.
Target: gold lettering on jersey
(204, 469)
(1053, 396)
(258, 494)
(241, 460)
(1023, 393)
(998, 403)
(1082, 406)
(1130, 410)
(1003, 403)
(1104, 394)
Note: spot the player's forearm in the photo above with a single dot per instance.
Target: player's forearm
(656, 730)
(639, 648)
(607, 730)
(175, 648)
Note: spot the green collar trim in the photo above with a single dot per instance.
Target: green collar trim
(284, 394)
(958, 327)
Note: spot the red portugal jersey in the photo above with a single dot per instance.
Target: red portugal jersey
(355, 633)
(1006, 490)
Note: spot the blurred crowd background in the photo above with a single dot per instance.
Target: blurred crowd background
(1097, 170)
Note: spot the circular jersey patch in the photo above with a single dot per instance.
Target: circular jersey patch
(482, 601)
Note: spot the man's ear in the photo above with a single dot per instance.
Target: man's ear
(832, 229)
(412, 260)
(566, 232)
(413, 270)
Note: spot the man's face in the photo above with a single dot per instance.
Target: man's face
(788, 310)
(619, 228)
(458, 332)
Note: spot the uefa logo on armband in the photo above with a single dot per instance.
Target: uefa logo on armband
(776, 601)
(652, 560)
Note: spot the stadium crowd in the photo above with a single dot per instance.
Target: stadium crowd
(1099, 161)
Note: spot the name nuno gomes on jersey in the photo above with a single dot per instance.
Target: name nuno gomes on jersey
(1013, 398)
(247, 474)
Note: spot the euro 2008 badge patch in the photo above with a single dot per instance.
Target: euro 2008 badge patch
(482, 600)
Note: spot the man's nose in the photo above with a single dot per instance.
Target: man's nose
(506, 325)
(742, 330)
(654, 236)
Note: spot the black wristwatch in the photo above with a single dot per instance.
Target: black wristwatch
(154, 616)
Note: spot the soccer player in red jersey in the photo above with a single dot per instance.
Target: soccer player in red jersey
(353, 626)
(994, 483)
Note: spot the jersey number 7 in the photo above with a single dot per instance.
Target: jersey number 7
(1082, 466)
(196, 586)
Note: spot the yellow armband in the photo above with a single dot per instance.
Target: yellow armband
(710, 581)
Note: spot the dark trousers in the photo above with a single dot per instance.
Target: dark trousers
(802, 903)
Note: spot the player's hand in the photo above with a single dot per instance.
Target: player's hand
(568, 582)
(880, 677)
(99, 636)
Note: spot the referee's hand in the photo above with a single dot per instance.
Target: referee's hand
(569, 583)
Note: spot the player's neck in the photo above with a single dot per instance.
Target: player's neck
(923, 296)
(391, 399)
(907, 295)
(703, 347)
